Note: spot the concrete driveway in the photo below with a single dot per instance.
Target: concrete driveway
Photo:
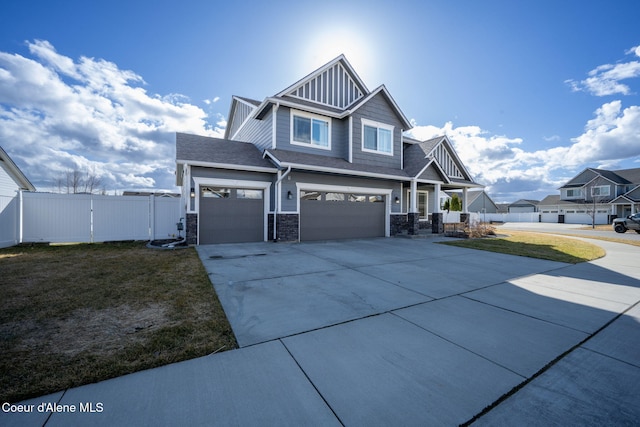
(395, 332)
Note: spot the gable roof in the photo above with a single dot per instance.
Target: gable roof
(438, 149)
(631, 175)
(333, 90)
(335, 84)
(241, 108)
(14, 172)
(220, 153)
(618, 177)
(551, 199)
(632, 195)
(415, 155)
(525, 202)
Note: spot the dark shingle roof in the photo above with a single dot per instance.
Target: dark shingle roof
(415, 155)
(612, 176)
(317, 161)
(631, 175)
(552, 199)
(197, 148)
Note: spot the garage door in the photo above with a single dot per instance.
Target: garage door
(329, 216)
(231, 215)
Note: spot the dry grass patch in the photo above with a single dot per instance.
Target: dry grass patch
(536, 245)
(73, 315)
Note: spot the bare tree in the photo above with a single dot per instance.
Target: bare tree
(596, 192)
(75, 181)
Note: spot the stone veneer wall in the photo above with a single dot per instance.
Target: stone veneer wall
(413, 223)
(437, 224)
(287, 227)
(192, 229)
(398, 224)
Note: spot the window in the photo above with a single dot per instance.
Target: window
(216, 193)
(574, 193)
(243, 193)
(377, 137)
(310, 195)
(334, 197)
(309, 129)
(600, 190)
(422, 204)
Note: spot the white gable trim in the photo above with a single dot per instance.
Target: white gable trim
(340, 59)
(452, 152)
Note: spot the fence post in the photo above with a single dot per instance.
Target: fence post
(91, 219)
(18, 231)
(152, 217)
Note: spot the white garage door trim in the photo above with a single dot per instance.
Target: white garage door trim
(306, 186)
(235, 183)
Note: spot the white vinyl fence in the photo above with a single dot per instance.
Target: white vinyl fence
(8, 221)
(511, 217)
(60, 218)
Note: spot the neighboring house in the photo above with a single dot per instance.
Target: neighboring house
(523, 206)
(478, 201)
(12, 181)
(326, 158)
(503, 208)
(602, 193)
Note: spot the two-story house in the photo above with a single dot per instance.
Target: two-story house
(594, 194)
(326, 158)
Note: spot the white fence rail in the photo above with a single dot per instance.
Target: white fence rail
(61, 218)
(511, 217)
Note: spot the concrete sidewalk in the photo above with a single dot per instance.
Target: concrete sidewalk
(394, 332)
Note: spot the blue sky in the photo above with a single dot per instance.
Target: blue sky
(530, 92)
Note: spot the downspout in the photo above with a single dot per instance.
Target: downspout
(278, 200)
(274, 125)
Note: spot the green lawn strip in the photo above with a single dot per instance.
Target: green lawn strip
(535, 245)
(72, 315)
(604, 239)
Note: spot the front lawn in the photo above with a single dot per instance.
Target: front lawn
(535, 245)
(76, 314)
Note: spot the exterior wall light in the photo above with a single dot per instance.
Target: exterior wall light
(397, 200)
(289, 195)
(193, 193)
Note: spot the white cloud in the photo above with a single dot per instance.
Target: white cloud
(211, 101)
(57, 114)
(606, 79)
(503, 164)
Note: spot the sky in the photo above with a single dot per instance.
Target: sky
(529, 92)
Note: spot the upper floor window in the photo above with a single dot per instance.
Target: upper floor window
(600, 190)
(310, 129)
(574, 192)
(377, 137)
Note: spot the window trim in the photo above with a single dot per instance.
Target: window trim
(599, 187)
(311, 117)
(574, 190)
(378, 126)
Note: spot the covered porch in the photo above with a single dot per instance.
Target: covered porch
(423, 204)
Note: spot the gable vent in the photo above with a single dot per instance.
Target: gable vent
(333, 87)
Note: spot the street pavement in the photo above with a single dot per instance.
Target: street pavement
(394, 332)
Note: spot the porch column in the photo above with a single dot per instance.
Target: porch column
(465, 205)
(413, 220)
(413, 204)
(436, 208)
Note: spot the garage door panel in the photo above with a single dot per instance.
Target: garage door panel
(231, 220)
(328, 220)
